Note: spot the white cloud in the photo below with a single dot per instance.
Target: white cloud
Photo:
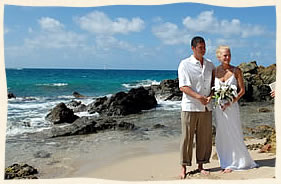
(99, 23)
(206, 22)
(170, 34)
(50, 24)
(108, 42)
(232, 42)
(53, 35)
(56, 40)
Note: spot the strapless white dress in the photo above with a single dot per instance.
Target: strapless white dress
(231, 149)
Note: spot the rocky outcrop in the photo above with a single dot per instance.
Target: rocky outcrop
(87, 125)
(11, 95)
(77, 95)
(267, 132)
(260, 132)
(167, 90)
(121, 103)
(61, 114)
(256, 80)
(77, 106)
(21, 171)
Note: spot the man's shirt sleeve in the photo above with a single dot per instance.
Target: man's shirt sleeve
(184, 79)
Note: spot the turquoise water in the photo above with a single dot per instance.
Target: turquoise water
(61, 82)
(39, 90)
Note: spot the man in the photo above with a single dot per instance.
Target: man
(195, 81)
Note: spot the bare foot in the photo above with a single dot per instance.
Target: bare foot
(183, 172)
(227, 171)
(204, 172)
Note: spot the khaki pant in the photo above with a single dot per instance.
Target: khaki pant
(200, 124)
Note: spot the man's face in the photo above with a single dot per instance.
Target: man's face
(199, 50)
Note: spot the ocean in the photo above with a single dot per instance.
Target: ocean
(39, 90)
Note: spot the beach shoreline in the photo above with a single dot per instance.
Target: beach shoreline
(165, 167)
(143, 162)
(147, 150)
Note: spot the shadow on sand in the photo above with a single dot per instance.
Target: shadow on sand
(266, 162)
(261, 163)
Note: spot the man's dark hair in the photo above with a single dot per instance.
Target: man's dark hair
(195, 40)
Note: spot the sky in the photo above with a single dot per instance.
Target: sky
(147, 37)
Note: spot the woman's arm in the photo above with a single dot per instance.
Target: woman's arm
(240, 83)
(212, 85)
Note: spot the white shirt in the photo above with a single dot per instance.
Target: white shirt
(191, 73)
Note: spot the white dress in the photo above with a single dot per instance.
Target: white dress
(230, 145)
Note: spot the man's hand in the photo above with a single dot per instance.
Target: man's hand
(209, 98)
(204, 100)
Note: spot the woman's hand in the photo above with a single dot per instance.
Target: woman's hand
(272, 93)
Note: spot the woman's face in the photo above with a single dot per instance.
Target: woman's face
(225, 56)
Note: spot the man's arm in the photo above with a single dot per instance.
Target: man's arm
(187, 90)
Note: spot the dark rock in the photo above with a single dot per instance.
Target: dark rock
(26, 124)
(99, 105)
(61, 114)
(77, 106)
(262, 131)
(42, 154)
(125, 126)
(77, 95)
(29, 99)
(121, 103)
(250, 68)
(87, 125)
(11, 95)
(254, 146)
(167, 90)
(158, 126)
(83, 125)
(263, 109)
(256, 81)
(20, 171)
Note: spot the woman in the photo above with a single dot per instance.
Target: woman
(231, 149)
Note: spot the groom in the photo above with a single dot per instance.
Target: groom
(195, 81)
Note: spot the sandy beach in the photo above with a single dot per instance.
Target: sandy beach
(165, 166)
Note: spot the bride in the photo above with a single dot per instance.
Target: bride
(231, 149)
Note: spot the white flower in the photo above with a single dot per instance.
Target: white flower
(224, 93)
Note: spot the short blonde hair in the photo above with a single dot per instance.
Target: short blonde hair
(221, 47)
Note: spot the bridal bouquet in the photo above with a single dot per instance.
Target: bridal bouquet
(224, 94)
